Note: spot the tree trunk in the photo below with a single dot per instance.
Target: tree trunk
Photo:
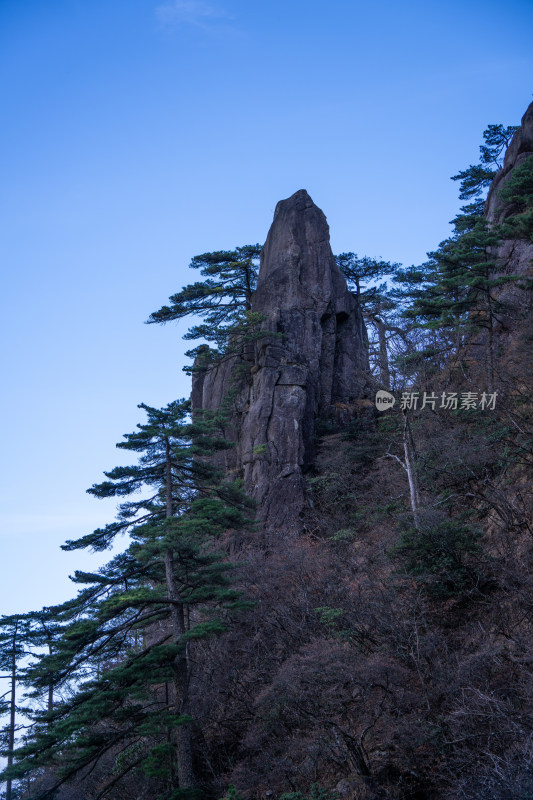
(409, 453)
(50, 692)
(384, 368)
(12, 708)
(180, 666)
(490, 346)
(50, 705)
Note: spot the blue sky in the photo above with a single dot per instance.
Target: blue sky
(139, 133)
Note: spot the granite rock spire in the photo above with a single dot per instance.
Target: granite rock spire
(310, 361)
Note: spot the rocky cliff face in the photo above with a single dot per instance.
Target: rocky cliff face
(520, 148)
(515, 256)
(311, 362)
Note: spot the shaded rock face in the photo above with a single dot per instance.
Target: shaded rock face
(311, 361)
(514, 256)
(520, 148)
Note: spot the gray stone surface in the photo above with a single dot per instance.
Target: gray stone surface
(514, 256)
(312, 358)
(520, 148)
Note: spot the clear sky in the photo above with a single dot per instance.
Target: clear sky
(139, 133)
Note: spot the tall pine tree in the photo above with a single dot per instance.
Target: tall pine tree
(460, 301)
(125, 644)
(223, 298)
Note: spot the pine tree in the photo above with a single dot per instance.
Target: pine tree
(126, 637)
(223, 299)
(361, 274)
(460, 296)
(379, 307)
(477, 177)
(517, 195)
(13, 631)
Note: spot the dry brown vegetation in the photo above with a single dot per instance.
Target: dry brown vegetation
(378, 670)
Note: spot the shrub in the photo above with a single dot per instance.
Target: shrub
(316, 792)
(443, 557)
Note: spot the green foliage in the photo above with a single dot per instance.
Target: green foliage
(316, 792)
(128, 758)
(365, 441)
(517, 193)
(113, 652)
(223, 299)
(13, 641)
(457, 291)
(339, 626)
(442, 558)
(122, 641)
(361, 273)
(478, 177)
(474, 180)
(158, 763)
(344, 535)
(329, 616)
(231, 794)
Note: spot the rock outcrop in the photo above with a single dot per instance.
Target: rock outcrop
(310, 362)
(514, 256)
(507, 342)
(521, 147)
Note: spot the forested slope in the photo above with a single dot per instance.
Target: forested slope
(378, 646)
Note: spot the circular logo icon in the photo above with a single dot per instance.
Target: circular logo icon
(384, 400)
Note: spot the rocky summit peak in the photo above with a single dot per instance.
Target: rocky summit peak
(298, 269)
(311, 360)
(299, 198)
